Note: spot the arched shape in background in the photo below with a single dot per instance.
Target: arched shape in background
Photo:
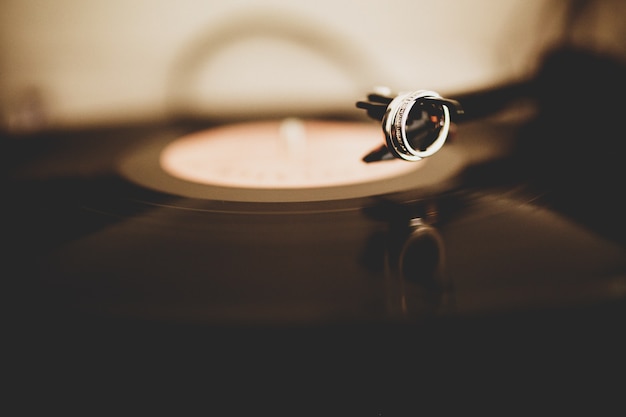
(308, 35)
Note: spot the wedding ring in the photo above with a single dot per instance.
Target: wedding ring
(416, 124)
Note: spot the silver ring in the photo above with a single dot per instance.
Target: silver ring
(399, 141)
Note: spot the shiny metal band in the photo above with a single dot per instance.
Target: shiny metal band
(394, 126)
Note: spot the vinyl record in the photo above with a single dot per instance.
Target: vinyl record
(288, 161)
(100, 225)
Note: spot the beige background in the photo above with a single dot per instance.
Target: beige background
(93, 62)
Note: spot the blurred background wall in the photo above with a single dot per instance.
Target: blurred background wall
(75, 63)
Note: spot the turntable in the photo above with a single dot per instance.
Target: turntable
(280, 221)
(270, 226)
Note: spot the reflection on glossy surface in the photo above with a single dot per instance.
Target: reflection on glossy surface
(412, 253)
(417, 269)
(421, 261)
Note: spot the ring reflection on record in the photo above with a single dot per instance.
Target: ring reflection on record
(289, 154)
